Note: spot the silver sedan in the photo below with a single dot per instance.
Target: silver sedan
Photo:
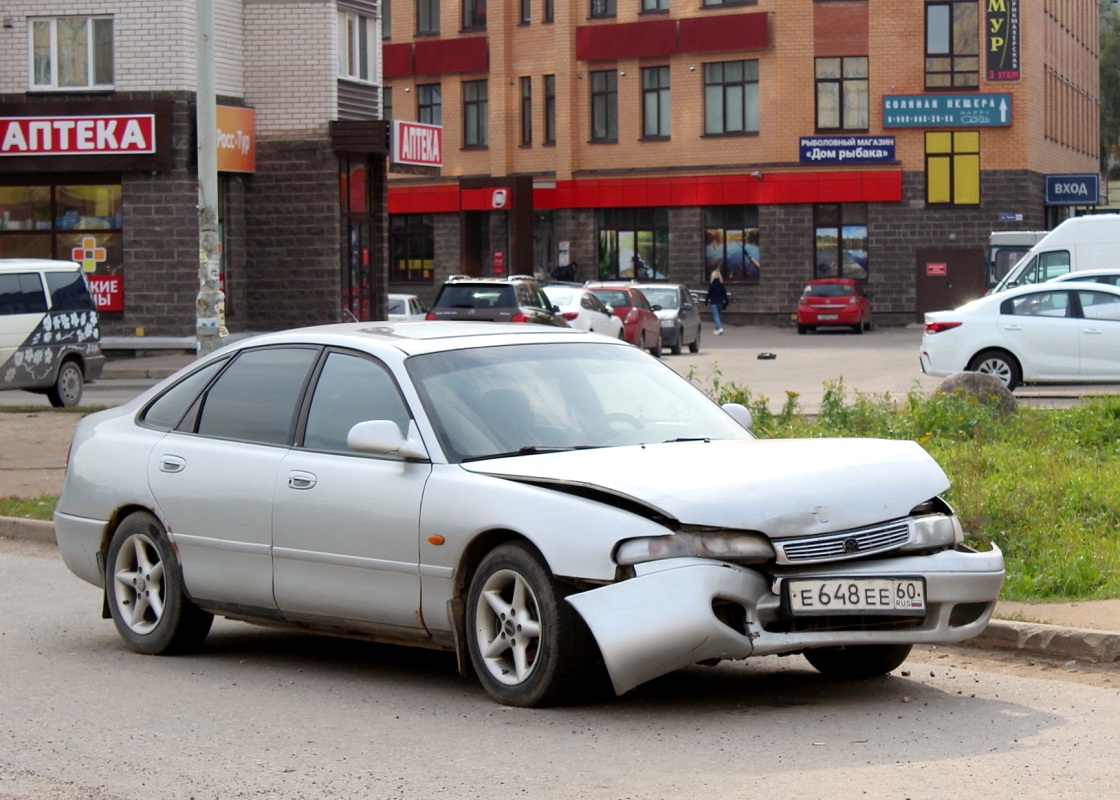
(497, 491)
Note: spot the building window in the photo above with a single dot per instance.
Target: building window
(71, 222)
(628, 232)
(731, 243)
(526, 111)
(71, 53)
(549, 11)
(655, 102)
(654, 5)
(474, 14)
(475, 114)
(386, 102)
(731, 97)
(953, 167)
(840, 240)
(356, 60)
(429, 106)
(604, 106)
(550, 109)
(412, 248)
(842, 94)
(386, 20)
(952, 44)
(526, 14)
(427, 16)
(717, 3)
(602, 8)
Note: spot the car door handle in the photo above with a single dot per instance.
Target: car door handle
(301, 480)
(172, 463)
(1094, 331)
(1013, 327)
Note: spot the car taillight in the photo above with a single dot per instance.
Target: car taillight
(938, 327)
(570, 315)
(429, 315)
(632, 315)
(519, 318)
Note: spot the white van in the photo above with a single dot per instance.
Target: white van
(50, 335)
(1079, 243)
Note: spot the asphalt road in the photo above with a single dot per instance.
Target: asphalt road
(261, 713)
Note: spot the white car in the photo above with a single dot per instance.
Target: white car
(495, 490)
(1053, 332)
(584, 310)
(1109, 276)
(405, 308)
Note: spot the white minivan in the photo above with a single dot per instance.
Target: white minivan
(50, 336)
(1079, 243)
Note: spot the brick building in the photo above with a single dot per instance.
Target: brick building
(98, 156)
(774, 139)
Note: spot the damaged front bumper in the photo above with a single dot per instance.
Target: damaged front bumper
(679, 612)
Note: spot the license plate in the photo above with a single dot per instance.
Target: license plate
(827, 316)
(822, 596)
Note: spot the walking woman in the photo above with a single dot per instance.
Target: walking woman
(717, 300)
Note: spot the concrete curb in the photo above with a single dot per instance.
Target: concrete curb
(1052, 641)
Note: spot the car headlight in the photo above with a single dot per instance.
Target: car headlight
(937, 531)
(667, 323)
(741, 548)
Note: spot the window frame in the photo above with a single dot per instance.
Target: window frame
(473, 17)
(429, 109)
(94, 59)
(525, 15)
(548, 12)
(843, 219)
(656, 99)
(357, 56)
(961, 76)
(602, 9)
(748, 88)
(549, 109)
(731, 243)
(654, 6)
(427, 17)
(954, 171)
(476, 110)
(603, 87)
(412, 248)
(842, 84)
(526, 86)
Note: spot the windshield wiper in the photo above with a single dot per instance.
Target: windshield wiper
(688, 439)
(533, 449)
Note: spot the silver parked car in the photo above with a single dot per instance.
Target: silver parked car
(495, 490)
(678, 314)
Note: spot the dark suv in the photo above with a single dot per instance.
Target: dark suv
(518, 298)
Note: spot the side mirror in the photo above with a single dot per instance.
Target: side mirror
(656, 307)
(739, 413)
(383, 437)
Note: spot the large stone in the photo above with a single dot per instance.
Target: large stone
(986, 389)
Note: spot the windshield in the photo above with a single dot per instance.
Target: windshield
(396, 305)
(494, 401)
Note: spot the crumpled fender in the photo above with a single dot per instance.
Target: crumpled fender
(642, 635)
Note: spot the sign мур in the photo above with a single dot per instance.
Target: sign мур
(1001, 33)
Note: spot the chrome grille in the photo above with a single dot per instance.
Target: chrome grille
(846, 544)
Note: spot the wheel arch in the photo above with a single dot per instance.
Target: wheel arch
(998, 350)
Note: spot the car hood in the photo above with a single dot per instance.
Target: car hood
(781, 487)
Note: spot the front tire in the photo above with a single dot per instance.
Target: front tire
(144, 588)
(68, 385)
(678, 340)
(1000, 365)
(694, 345)
(527, 644)
(862, 661)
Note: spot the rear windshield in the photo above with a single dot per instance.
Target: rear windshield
(614, 299)
(828, 290)
(68, 291)
(476, 296)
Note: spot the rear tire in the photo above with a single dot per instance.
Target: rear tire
(144, 589)
(1000, 365)
(862, 661)
(68, 385)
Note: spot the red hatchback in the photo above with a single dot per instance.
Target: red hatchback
(833, 301)
(640, 325)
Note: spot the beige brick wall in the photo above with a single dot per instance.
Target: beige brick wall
(291, 64)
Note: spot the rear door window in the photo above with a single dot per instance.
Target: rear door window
(68, 291)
